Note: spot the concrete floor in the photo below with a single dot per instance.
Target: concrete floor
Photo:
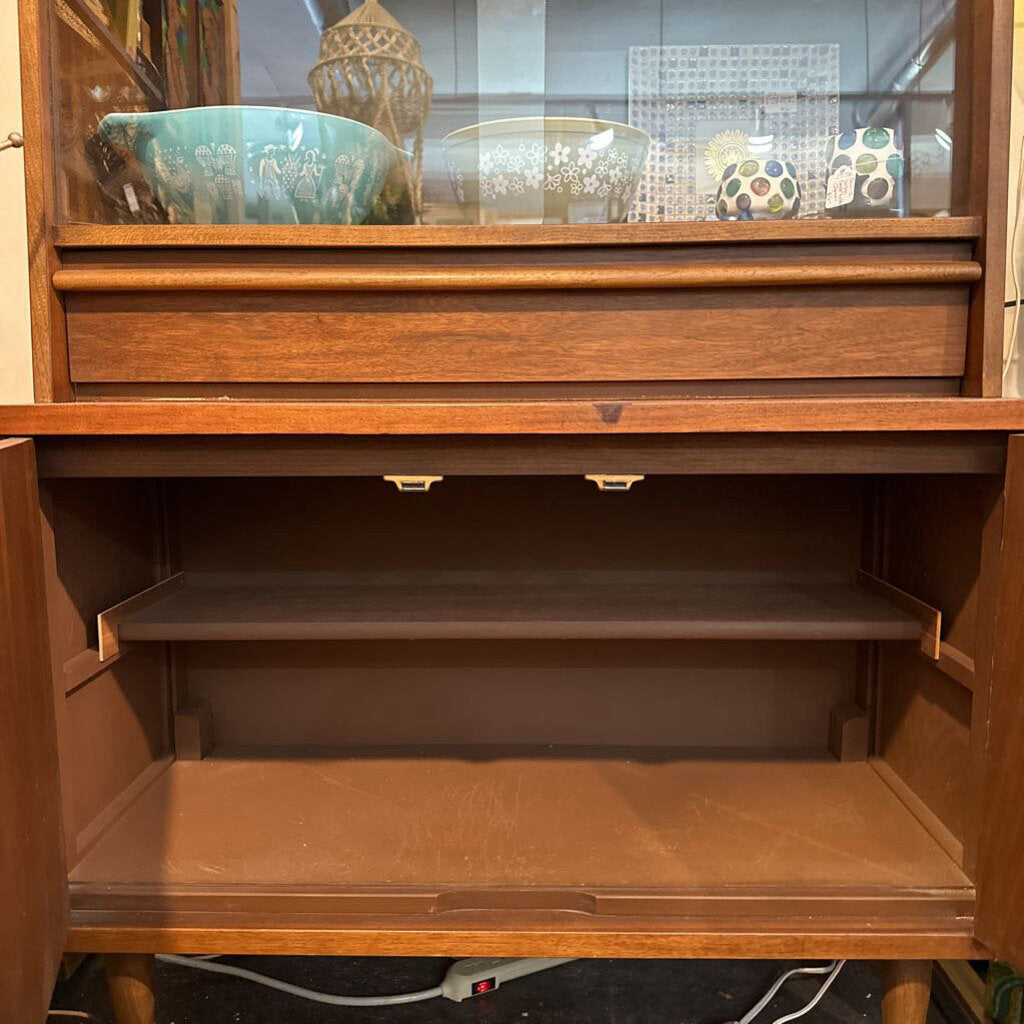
(584, 992)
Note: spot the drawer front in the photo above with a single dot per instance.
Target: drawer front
(648, 335)
(652, 317)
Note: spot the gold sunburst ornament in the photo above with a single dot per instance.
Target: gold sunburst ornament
(723, 149)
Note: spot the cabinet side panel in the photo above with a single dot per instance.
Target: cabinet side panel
(115, 724)
(924, 732)
(118, 727)
(49, 335)
(33, 879)
(984, 95)
(933, 543)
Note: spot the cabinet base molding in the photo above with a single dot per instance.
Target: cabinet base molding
(700, 940)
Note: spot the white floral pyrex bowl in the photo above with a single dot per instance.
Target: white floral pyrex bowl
(546, 170)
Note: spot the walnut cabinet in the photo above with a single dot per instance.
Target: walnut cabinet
(638, 589)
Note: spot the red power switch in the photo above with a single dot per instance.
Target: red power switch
(484, 985)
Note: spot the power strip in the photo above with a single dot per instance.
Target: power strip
(479, 975)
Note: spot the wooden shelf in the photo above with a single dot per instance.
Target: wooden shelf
(607, 830)
(91, 236)
(557, 610)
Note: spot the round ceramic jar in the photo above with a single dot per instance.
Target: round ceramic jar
(874, 160)
(753, 189)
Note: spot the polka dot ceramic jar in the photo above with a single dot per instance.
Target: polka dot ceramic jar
(875, 162)
(753, 189)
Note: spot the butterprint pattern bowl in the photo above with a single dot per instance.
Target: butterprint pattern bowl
(267, 165)
(550, 170)
(753, 189)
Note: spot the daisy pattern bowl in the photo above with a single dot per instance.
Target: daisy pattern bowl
(266, 165)
(546, 170)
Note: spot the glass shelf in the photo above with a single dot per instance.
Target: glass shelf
(499, 113)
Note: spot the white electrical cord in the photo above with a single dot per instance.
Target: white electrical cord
(832, 970)
(205, 963)
(297, 990)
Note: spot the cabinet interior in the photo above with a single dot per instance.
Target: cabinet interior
(612, 703)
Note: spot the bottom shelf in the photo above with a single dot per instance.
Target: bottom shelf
(607, 830)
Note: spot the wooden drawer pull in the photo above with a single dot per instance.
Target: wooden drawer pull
(491, 278)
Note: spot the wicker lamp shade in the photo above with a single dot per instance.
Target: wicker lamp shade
(370, 70)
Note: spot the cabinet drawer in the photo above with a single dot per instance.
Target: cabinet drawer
(456, 319)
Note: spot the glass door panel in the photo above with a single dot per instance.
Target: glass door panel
(494, 112)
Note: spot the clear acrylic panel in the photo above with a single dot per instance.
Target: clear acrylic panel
(470, 112)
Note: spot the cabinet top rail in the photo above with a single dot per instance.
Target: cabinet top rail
(100, 236)
(554, 416)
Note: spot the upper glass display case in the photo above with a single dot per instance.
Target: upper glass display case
(500, 112)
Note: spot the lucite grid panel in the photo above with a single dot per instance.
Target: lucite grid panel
(696, 100)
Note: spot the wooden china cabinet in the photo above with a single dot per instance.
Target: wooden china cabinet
(649, 588)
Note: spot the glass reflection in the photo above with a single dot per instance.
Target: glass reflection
(427, 112)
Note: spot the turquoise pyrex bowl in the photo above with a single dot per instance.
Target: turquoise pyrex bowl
(265, 165)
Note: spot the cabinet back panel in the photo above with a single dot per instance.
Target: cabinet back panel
(510, 532)
(747, 694)
(718, 529)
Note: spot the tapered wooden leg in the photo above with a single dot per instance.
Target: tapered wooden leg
(130, 984)
(906, 991)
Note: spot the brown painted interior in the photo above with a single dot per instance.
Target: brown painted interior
(548, 738)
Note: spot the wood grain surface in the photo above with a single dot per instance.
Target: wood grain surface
(71, 236)
(713, 454)
(493, 935)
(1001, 880)
(130, 986)
(51, 382)
(514, 278)
(906, 991)
(553, 334)
(981, 171)
(578, 416)
(33, 879)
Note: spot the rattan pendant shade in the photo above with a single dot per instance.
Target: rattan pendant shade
(370, 70)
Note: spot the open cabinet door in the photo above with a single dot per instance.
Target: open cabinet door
(33, 879)
(999, 921)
